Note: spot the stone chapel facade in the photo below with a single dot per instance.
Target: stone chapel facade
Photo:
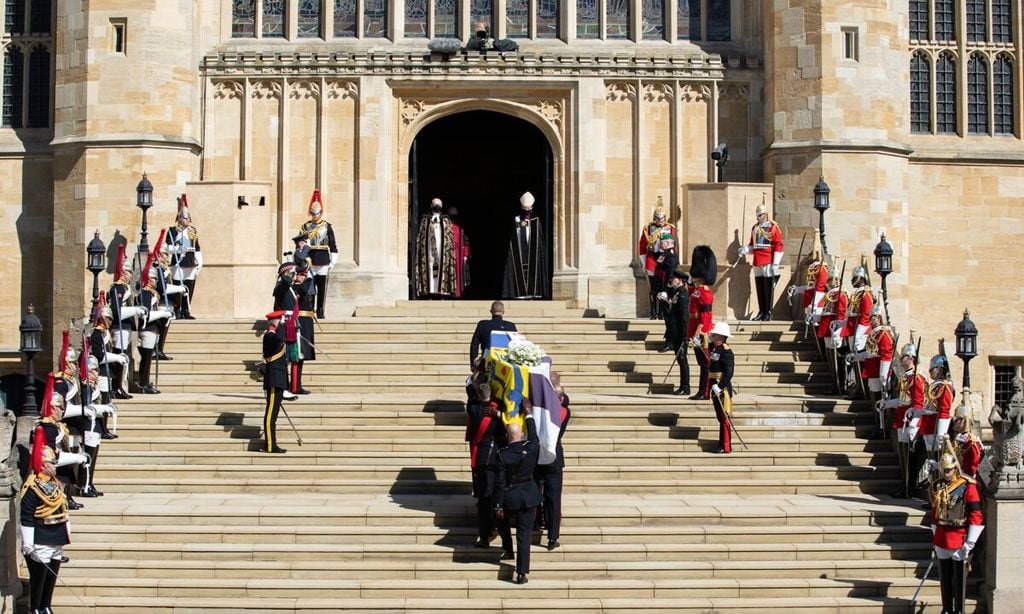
(910, 109)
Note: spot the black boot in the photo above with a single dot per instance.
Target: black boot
(759, 291)
(187, 303)
(36, 580)
(957, 586)
(321, 295)
(298, 379)
(51, 570)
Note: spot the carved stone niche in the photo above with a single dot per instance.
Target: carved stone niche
(1002, 470)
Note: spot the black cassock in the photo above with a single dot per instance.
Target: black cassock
(526, 266)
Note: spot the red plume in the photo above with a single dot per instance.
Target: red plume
(119, 268)
(83, 360)
(38, 442)
(182, 203)
(315, 199)
(101, 302)
(160, 241)
(144, 279)
(62, 360)
(47, 408)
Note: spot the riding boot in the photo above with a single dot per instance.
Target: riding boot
(186, 310)
(36, 579)
(321, 295)
(653, 305)
(759, 288)
(684, 376)
(769, 297)
(51, 581)
(957, 587)
(946, 583)
(145, 360)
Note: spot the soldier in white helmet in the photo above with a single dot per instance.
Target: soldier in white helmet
(766, 246)
(721, 365)
(526, 267)
(323, 250)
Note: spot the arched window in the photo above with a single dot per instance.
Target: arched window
(945, 20)
(309, 19)
(14, 16)
(39, 88)
(345, 18)
(977, 95)
(945, 94)
(617, 19)
(1002, 95)
(1002, 24)
(375, 18)
(587, 22)
(273, 18)
(920, 94)
(976, 19)
(652, 13)
(40, 17)
(243, 18)
(548, 15)
(14, 67)
(919, 20)
(446, 18)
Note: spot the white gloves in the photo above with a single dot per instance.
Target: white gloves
(28, 539)
(334, 259)
(744, 250)
(662, 296)
(199, 261)
(715, 388)
(776, 261)
(892, 403)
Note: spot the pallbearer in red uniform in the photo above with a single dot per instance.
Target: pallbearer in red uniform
(766, 246)
(909, 407)
(956, 527)
(650, 248)
(938, 402)
(703, 273)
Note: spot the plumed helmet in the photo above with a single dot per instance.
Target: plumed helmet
(526, 201)
(183, 212)
(703, 264)
(940, 361)
(84, 356)
(92, 364)
(721, 328)
(147, 269)
(859, 272)
(65, 345)
(659, 212)
(119, 271)
(316, 206)
(41, 453)
(876, 310)
(909, 350)
(101, 305)
(948, 461)
(47, 409)
(760, 210)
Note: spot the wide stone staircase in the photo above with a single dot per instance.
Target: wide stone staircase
(373, 513)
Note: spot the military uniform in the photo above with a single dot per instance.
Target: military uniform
(323, 251)
(766, 246)
(649, 248)
(956, 526)
(306, 296)
(182, 243)
(275, 379)
(703, 273)
(676, 332)
(149, 330)
(516, 494)
(481, 342)
(549, 477)
(907, 418)
(722, 364)
(43, 525)
(485, 433)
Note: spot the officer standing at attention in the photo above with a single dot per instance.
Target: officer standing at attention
(516, 494)
(275, 379)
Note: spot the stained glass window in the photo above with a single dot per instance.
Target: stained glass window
(517, 18)
(14, 66)
(945, 23)
(273, 18)
(1002, 27)
(243, 18)
(345, 18)
(482, 11)
(919, 20)
(549, 14)
(617, 19)
(14, 16)
(977, 95)
(1002, 95)
(415, 18)
(653, 15)
(375, 18)
(309, 18)
(945, 94)
(41, 14)
(39, 89)
(688, 20)
(719, 22)
(976, 18)
(446, 18)
(920, 94)
(587, 23)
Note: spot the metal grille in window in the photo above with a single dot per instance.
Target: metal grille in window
(39, 89)
(482, 11)
(375, 18)
(345, 18)
(309, 18)
(415, 18)
(617, 19)
(977, 95)
(976, 20)
(1003, 380)
(1002, 25)
(587, 23)
(273, 18)
(14, 16)
(945, 25)
(920, 95)
(945, 94)
(446, 21)
(1002, 95)
(243, 18)
(919, 20)
(653, 15)
(517, 18)
(14, 65)
(548, 15)
(719, 22)
(40, 18)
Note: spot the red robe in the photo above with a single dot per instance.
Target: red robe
(461, 244)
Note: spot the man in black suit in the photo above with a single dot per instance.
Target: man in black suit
(482, 335)
(677, 300)
(516, 494)
(486, 434)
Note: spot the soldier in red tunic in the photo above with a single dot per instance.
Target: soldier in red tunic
(703, 273)
(649, 248)
(816, 280)
(965, 442)
(956, 526)
(938, 402)
(858, 319)
(876, 360)
(766, 246)
(906, 424)
(830, 314)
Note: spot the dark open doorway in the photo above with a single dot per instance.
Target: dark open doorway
(481, 162)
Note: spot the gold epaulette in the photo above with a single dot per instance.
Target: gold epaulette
(53, 503)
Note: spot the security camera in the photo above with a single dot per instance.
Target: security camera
(720, 153)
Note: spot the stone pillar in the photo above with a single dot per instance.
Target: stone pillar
(10, 583)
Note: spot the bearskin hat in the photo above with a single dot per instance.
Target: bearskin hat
(703, 264)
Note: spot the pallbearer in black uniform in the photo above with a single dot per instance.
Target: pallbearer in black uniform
(323, 250)
(481, 342)
(721, 366)
(182, 243)
(526, 267)
(43, 525)
(275, 378)
(516, 494)
(306, 293)
(486, 435)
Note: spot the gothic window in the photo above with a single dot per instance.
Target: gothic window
(1002, 26)
(653, 14)
(40, 18)
(1002, 95)
(14, 66)
(446, 18)
(920, 94)
(517, 18)
(309, 18)
(39, 89)
(548, 15)
(976, 21)
(945, 94)
(587, 23)
(945, 20)
(273, 18)
(14, 16)
(977, 95)
(919, 20)
(415, 18)
(243, 18)
(719, 22)
(482, 11)
(617, 19)
(345, 18)
(375, 18)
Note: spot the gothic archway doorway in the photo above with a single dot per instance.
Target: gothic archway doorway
(481, 162)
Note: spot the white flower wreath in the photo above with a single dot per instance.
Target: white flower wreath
(525, 353)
